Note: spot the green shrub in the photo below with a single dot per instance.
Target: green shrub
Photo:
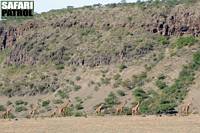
(45, 103)
(163, 40)
(71, 82)
(145, 107)
(87, 31)
(77, 87)
(171, 96)
(105, 81)
(161, 77)
(78, 99)
(185, 41)
(20, 102)
(2, 108)
(122, 67)
(196, 58)
(78, 114)
(111, 99)
(79, 106)
(161, 84)
(140, 94)
(78, 78)
(62, 94)
(127, 111)
(60, 66)
(165, 106)
(20, 109)
(68, 111)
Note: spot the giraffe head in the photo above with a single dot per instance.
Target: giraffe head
(189, 104)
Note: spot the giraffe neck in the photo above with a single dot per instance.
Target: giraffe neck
(138, 104)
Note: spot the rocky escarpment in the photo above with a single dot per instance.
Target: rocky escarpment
(105, 25)
(9, 35)
(178, 22)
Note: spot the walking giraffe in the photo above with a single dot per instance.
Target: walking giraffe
(120, 108)
(6, 113)
(99, 109)
(135, 109)
(33, 111)
(185, 109)
(61, 110)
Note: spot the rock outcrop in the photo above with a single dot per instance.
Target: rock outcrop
(179, 22)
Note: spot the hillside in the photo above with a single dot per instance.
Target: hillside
(144, 51)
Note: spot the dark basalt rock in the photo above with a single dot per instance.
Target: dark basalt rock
(176, 23)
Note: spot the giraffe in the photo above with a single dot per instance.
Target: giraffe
(33, 111)
(120, 108)
(61, 110)
(185, 109)
(6, 113)
(135, 109)
(99, 109)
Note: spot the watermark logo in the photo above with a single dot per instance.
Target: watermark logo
(16, 9)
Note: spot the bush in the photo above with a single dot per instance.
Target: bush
(105, 81)
(2, 108)
(78, 78)
(165, 106)
(122, 67)
(87, 31)
(78, 114)
(140, 94)
(161, 77)
(161, 84)
(20, 109)
(62, 94)
(146, 107)
(111, 100)
(79, 106)
(45, 103)
(168, 98)
(60, 66)
(77, 87)
(121, 93)
(196, 58)
(185, 41)
(163, 40)
(20, 102)
(68, 111)
(127, 111)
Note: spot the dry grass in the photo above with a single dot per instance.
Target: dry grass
(150, 124)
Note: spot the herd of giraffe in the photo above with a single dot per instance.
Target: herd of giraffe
(135, 109)
(59, 111)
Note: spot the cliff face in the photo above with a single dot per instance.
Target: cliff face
(9, 35)
(179, 21)
(102, 23)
